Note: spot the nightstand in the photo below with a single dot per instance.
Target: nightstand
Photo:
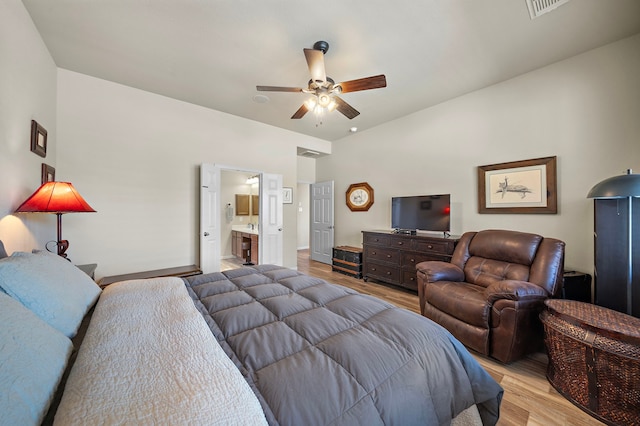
(89, 269)
(576, 286)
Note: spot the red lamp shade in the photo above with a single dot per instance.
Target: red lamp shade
(55, 197)
(58, 198)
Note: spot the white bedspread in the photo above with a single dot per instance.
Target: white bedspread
(149, 358)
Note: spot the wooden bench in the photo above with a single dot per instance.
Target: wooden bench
(178, 271)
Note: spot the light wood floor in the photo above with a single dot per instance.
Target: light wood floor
(528, 399)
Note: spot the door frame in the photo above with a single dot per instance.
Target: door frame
(204, 249)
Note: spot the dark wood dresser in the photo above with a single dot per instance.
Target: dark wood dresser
(392, 258)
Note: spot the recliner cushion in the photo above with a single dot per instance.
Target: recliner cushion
(507, 246)
(464, 301)
(484, 272)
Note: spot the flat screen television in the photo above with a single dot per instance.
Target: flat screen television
(423, 212)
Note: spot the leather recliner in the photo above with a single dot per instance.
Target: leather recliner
(490, 295)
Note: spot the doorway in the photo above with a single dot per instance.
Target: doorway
(218, 210)
(240, 199)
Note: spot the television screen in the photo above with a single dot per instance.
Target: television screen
(424, 212)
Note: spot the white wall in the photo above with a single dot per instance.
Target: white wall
(27, 91)
(301, 201)
(135, 158)
(301, 198)
(584, 110)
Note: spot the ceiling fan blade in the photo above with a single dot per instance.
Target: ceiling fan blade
(367, 83)
(278, 89)
(300, 112)
(346, 109)
(315, 61)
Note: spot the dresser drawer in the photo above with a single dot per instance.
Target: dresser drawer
(383, 272)
(377, 239)
(411, 259)
(403, 243)
(433, 246)
(409, 279)
(382, 254)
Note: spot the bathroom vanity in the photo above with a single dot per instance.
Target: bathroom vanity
(244, 243)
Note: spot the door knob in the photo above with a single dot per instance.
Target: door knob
(206, 234)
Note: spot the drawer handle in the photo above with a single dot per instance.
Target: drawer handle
(373, 253)
(429, 246)
(400, 243)
(413, 261)
(412, 279)
(388, 273)
(373, 269)
(388, 256)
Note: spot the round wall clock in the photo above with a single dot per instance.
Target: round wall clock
(359, 197)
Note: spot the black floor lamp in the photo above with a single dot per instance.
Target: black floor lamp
(625, 190)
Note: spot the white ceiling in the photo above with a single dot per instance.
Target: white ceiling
(214, 52)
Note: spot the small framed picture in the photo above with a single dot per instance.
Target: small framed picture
(287, 195)
(38, 139)
(48, 173)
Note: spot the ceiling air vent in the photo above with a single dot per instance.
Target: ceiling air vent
(309, 153)
(540, 7)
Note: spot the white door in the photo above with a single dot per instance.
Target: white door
(209, 218)
(322, 224)
(271, 244)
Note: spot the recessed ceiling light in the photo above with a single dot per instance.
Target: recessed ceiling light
(353, 129)
(260, 99)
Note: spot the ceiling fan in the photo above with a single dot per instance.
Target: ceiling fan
(324, 89)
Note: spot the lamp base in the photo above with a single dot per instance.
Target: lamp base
(61, 248)
(63, 245)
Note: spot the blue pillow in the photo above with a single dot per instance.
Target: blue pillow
(33, 357)
(50, 286)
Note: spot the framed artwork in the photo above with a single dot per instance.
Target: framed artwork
(48, 173)
(359, 197)
(287, 195)
(527, 186)
(38, 139)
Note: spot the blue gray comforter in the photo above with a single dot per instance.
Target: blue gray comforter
(321, 354)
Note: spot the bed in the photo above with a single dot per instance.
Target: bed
(256, 345)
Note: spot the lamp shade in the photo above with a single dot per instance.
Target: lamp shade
(55, 197)
(621, 186)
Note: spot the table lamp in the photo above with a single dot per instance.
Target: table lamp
(58, 198)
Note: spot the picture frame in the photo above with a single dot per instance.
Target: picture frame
(38, 139)
(48, 174)
(527, 186)
(287, 195)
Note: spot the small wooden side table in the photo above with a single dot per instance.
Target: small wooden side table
(576, 286)
(89, 269)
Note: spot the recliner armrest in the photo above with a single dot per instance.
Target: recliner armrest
(515, 290)
(435, 270)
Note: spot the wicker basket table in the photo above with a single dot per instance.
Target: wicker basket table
(594, 359)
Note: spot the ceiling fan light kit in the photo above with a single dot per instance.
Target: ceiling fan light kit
(323, 89)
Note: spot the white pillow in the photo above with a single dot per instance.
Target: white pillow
(33, 357)
(50, 286)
